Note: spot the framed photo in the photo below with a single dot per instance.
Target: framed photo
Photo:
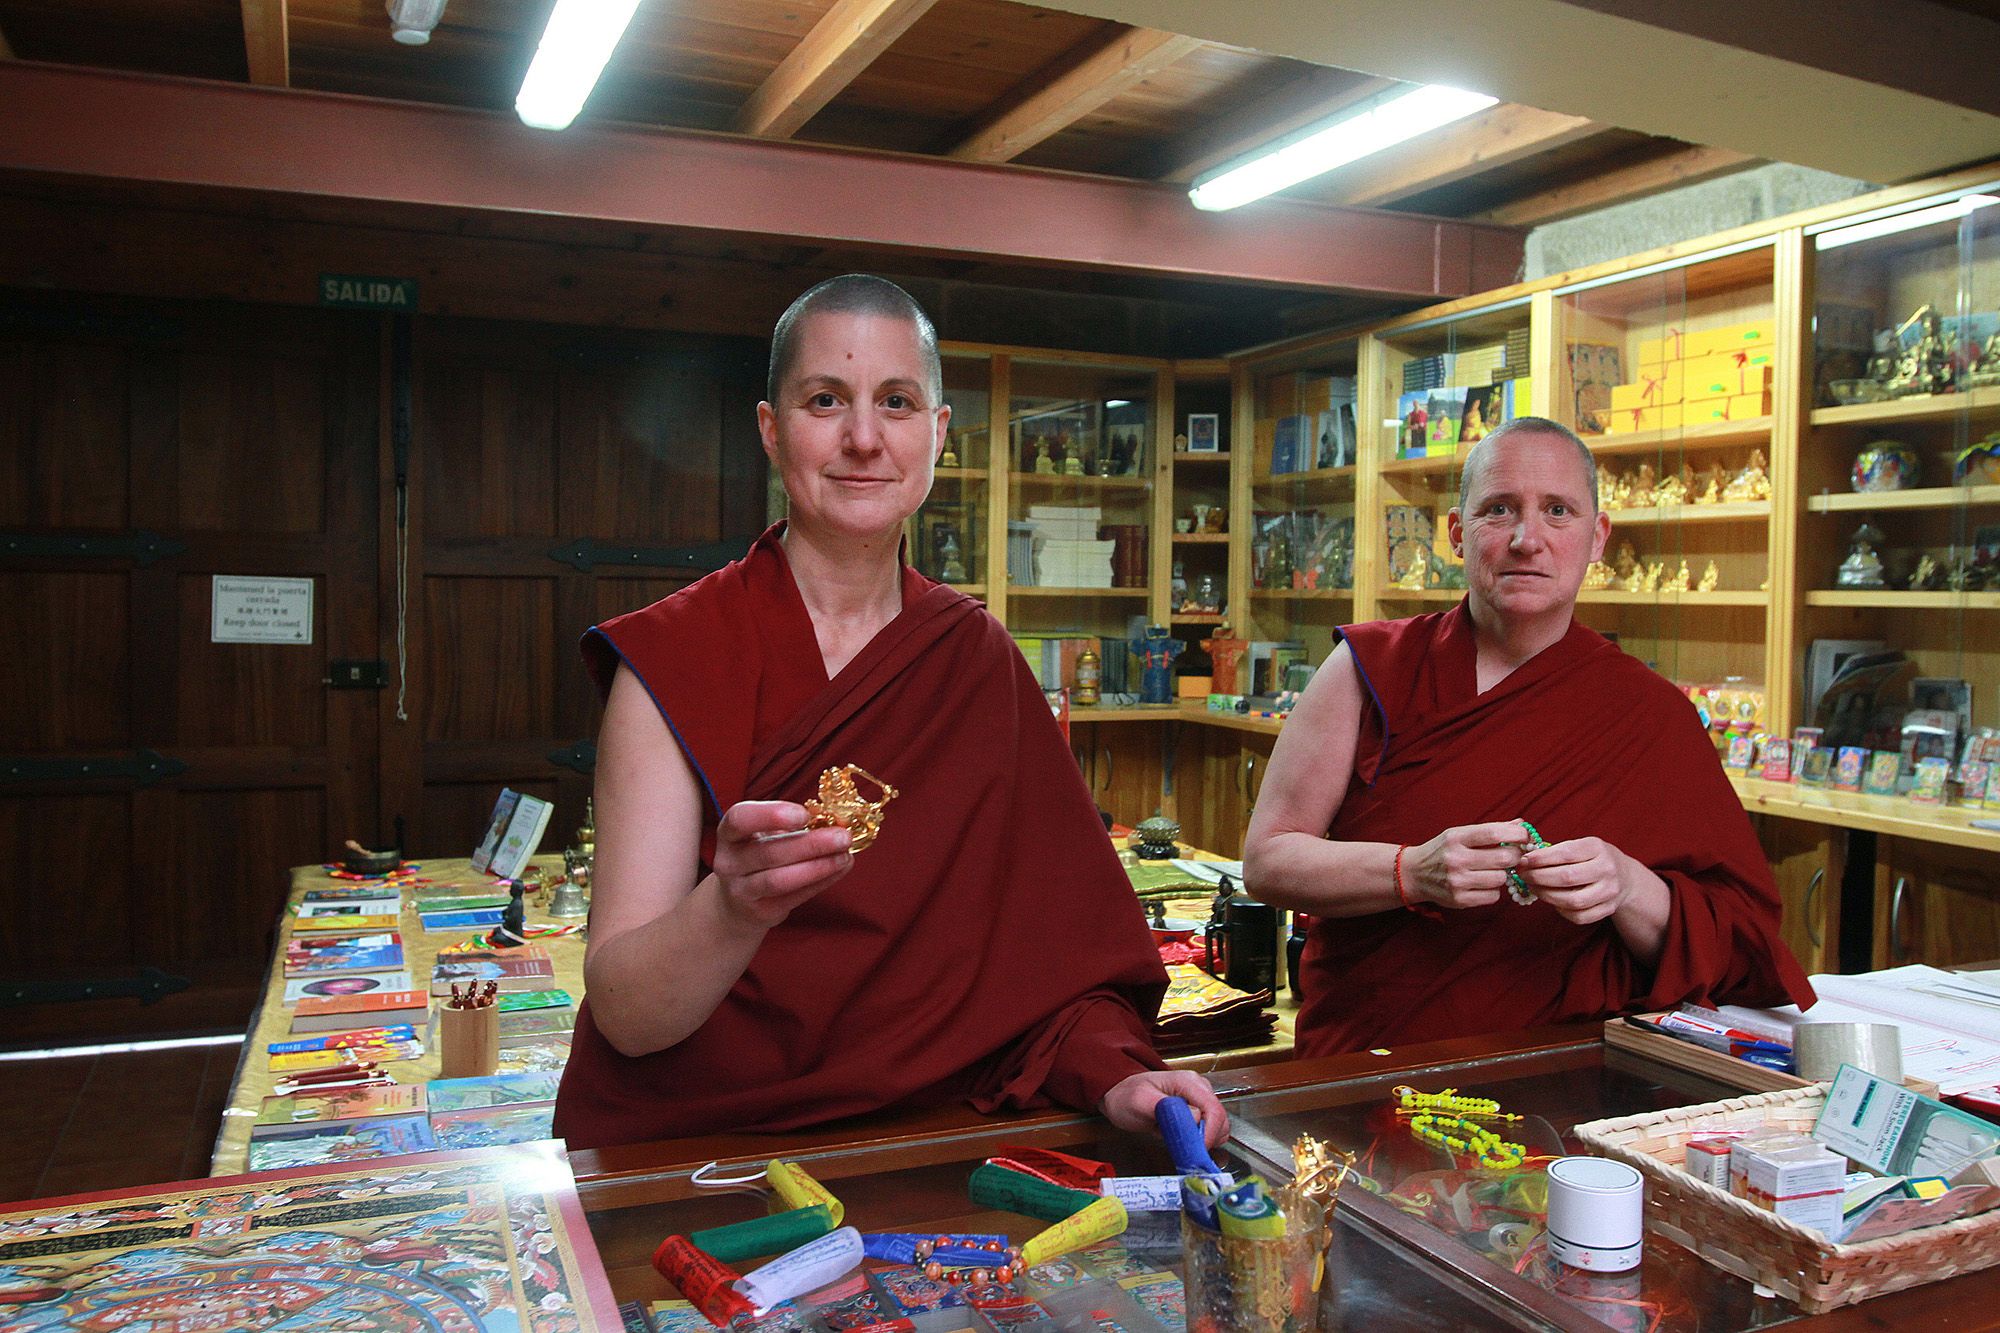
(1204, 432)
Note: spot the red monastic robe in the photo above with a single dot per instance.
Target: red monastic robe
(987, 947)
(1582, 740)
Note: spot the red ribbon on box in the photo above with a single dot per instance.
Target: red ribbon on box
(1652, 383)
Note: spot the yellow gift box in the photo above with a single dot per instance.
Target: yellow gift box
(1735, 407)
(1756, 333)
(1726, 374)
(1627, 420)
(1657, 386)
(1670, 346)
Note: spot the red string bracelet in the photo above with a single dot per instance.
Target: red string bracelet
(1421, 909)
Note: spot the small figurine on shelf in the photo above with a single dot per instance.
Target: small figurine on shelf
(1621, 492)
(1672, 492)
(1925, 363)
(1044, 465)
(1625, 564)
(949, 458)
(951, 561)
(1073, 462)
(1217, 521)
(1926, 577)
(1752, 483)
(1156, 650)
(1711, 488)
(1863, 567)
(1643, 496)
(1709, 578)
(1651, 581)
(512, 932)
(1177, 591)
(1180, 444)
(1681, 579)
(1597, 575)
(1207, 599)
(1607, 489)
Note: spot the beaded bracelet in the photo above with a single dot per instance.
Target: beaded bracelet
(1421, 909)
(1469, 1140)
(1517, 888)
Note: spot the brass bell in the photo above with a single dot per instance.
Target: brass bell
(568, 898)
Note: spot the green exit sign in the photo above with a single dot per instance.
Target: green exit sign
(356, 291)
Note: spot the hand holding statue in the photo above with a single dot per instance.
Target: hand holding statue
(767, 862)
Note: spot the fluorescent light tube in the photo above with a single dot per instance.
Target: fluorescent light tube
(1895, 222)
(1395, 117)
(574, 48)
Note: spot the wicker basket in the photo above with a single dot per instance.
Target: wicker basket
(1797, 1262)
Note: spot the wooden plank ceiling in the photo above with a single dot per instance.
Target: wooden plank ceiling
(981, 80)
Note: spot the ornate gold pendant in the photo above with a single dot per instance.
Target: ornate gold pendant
(839, 805)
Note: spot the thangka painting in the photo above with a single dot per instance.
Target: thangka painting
(489, 1241)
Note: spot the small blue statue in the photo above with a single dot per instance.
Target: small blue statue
(1156, 651)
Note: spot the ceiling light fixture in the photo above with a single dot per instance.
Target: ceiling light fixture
(1895, 222)
(1393, 117)
(411, 21)
(573, 51)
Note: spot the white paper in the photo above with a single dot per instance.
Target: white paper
(1948, 1037)
(813, 1265)
(1144, 1194)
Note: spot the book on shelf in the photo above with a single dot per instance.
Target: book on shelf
(509, 974)
(1288, 444)
(331, 955)
(521, 1027)
(327, 1013)
(347, 983)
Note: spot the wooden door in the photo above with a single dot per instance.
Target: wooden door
(154, 782)
(1122, 762)
(1934, 903)
(558, 478)
(1808, 861)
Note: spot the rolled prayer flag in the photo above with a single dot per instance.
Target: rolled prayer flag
(997, 1187)
(1100, 1221)
(817, 1264)
(1183, 1137)
(800, 1190)
(707, 1282)
(764, 1235)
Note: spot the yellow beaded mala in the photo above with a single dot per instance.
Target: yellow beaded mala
(1450, 1121)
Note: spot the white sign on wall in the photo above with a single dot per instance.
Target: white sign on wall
(258, 610)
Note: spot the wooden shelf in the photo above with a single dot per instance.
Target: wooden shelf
(1743, 511)
(1407, 466)
(1197, 618)
(1720, 597)
(1906, 601)
(1894, 815)
(1201, 539)
(1016, 590)
(969, 589)
(961, 473)
(1420, 594)
(1305, 594)
(1922, 497)
(1318, 476)
(1982, 401)
(1189, 456)
(1124, 712)
(1708, 435)
(1056, 481)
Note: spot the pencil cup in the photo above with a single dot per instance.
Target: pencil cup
(468, 1042)
(1238, 1284)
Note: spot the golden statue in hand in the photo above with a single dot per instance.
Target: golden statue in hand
(839, 805)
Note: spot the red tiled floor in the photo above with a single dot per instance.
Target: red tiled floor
(108, 1121)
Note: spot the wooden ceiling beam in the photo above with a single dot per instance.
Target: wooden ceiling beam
(1601, 189)
(842, 44)
(1316, 95)
(75, 123)
(267, 42)
(1492, 138)
(1081, 81)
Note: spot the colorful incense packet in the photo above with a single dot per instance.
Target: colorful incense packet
(707, 1282)
(962, 1249)
(817, 1264)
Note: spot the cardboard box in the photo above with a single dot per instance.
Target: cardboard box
(1657, 386)
(1734, 337)
(1670, 346)
(1741, 407)
(1642, 418)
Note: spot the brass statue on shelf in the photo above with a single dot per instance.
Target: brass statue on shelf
(1596, 576)
(949, 458)
(1651, 581)
(1671, 493)
(1625, 565)
(839, 804)
(1681, 579)
(1711, 488)
(1643, 488)
(1044, 465)
(1925, 363)
(1709, 578)
(1752, 483)
(1607, 489)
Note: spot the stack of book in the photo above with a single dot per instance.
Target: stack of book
(500, 1108)
(1068, 552)
(1128, 553)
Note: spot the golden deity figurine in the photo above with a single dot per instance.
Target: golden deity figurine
(1607, 489)
(1681, 579)
(1651, 581)
(1597, 575)
(839, 805)
(1643, 488)
(1672, 491)
(1621, 492)
(1752, 483)
(1709, 578)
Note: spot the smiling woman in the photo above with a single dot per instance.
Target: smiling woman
(747, 971)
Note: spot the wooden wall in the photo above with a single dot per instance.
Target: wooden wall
(254, 440)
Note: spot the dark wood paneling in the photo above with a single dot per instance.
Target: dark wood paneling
(488, 446)
(65, 666)
(247, 693)
(455, 813)
(70, 902)
(61, 421)
(491, 647)
(253, 440)
(228, 880)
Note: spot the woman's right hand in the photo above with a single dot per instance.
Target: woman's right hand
(767, 862)
(1465, 866)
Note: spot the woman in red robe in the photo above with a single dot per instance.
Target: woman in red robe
(747, 973)
(1394, 804)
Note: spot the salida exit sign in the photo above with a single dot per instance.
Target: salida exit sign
(358, 291)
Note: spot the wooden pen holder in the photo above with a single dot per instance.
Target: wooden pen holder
(468, 1042)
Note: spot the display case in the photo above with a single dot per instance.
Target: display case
(1668, 373)
(1199, 512)
(1440, 383)
(1300, 504)
(1899, 460)
(950, 538)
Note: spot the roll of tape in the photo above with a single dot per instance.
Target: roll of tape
(1596, 1214)
(1820, 1049)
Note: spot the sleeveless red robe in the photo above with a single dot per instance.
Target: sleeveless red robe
(1582, 740)
(988, 947)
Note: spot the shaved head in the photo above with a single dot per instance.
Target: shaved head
(854, 294)
(1482, 452)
